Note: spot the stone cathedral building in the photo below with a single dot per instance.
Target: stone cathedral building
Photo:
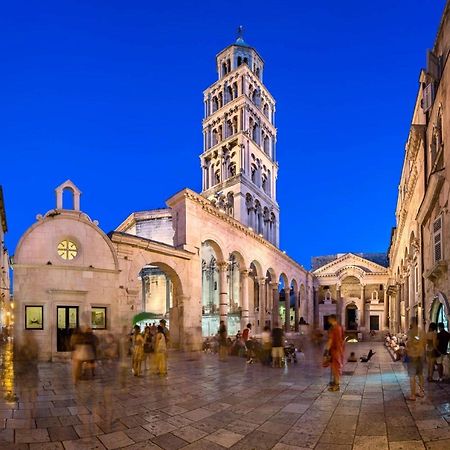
(207, 257)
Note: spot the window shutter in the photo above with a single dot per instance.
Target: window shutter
(433, 65)
(428, 97)
(437, 239)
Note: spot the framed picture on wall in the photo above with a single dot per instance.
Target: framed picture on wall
(98, 314)
(34, 317)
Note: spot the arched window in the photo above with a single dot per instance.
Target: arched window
(230, 204)
(224, 69)
(253, 169)
(235, 124)
(228, 129)
(245, 60)
(441, 316)
(215, 104)
(229, 95)
(68, 198)
(266, 145)
(239, 60)
(257, 72)
(235, 90)
(266, 110)
(375, 295)
(255, 130)
(220, 100)
(264, 182)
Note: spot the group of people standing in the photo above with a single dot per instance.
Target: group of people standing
(150, 347)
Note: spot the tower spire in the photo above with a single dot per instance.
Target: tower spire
(240, 36)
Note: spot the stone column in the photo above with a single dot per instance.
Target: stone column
(339, 305)
(362, 321)
(386, 307)
(223, 292)
(287, 311)
(275, 304)
(297, 311)
(262, 302)
(143, 293)
(244, 302)
(405, 292)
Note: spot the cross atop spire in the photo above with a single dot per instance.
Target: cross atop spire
(240, 32)
(240, 36)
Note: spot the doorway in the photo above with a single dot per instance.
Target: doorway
(351, 317)
(67, 318)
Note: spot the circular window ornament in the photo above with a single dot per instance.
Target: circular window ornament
(67, 250)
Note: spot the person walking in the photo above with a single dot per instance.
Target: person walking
(335, 349)
(148, 347)
(277, 346)
(160, 352)
(266, 341)
(432, 352)
(138, 351)
(247, 338)
(443, 337)
(415, 347)
(223, 342)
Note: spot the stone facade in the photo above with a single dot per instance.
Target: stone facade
(354, 289)
(420, 245)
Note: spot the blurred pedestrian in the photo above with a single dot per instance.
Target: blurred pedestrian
(161, 352)
(443, 337)
(124, 351)
(277, 346)
(266, 342)
(163, 324)
(432, 351)
(148, 347)
(222, 341)
(415, 348)
(247, 338)
(138, 351)
(335, 350)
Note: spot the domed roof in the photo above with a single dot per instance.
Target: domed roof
(240, 37)
(240, 41)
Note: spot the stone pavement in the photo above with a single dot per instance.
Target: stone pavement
(206, 404)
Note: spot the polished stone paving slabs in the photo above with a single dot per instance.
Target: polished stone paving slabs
(207, 404)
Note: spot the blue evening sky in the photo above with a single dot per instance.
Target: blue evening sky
(109, 94)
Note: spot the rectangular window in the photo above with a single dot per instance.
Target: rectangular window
(437, 239)
(98, 315)
(34, 317)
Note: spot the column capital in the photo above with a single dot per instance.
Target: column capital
(274, 285)
(222, 265)
(261, 280)
(287, 289)
(245, 272)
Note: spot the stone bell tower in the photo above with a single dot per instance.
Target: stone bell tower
(239, 168)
